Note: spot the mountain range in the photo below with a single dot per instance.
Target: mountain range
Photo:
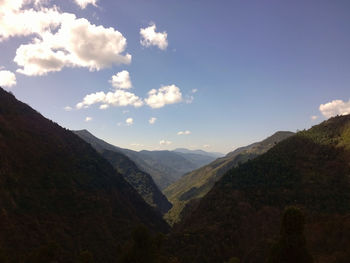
(65, 200)
(165, 167)
(196, 184)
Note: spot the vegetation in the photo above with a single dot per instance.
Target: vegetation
(58, 196)
(238, 217)
(141, 181)
(291, 246)
(198, 183)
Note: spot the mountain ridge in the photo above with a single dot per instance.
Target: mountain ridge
(141, 181)
(56, 189)
(195, 184)
(240, 216)
(165, 167)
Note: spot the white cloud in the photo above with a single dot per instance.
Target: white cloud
(84, 3)
(76, 44)
(7, 78)
(121, 80)
(335, 107)
(117, 98)
(165, 142)
(152, 120)
(184, 133)
(194, 90)
(149, 37)
(206, 146)
(314, 117)
(104, 106)
(87, 119)
(15, 21)
(68, 108)
(165, 95)
(129, 121)
(58, 39)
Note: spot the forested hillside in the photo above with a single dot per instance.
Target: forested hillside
(240, 216)
(58, 196)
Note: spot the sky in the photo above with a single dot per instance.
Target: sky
(161, 74)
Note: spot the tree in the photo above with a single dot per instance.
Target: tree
(291, 246)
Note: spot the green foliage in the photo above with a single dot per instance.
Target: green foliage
(291, 246)
(55, 186)
(198, 183)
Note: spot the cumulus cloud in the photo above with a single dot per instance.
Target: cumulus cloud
(76, 44)
(129, 121)
(335, 107)
(35, 19)
(152, 120)
(84, 3)
(87, 119)
(165, 95)
(314, 117)
(121, 80)
(58, 39)
(117, 98)
(165, 142)
(184, 133)
(149, 37)
(7, 78)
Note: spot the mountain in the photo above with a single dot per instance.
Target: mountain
(58, 196)
(165, 167)
(199, 152)
(141, 181)
(198, 183)
(241, 216)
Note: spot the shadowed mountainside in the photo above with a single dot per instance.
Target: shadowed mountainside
(56, 189)
(198, 183)
(241, 215)
(141, 181)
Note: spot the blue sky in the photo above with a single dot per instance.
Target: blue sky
(240, 70)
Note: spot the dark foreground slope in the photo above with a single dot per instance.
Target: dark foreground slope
(58, 194)
(196, 184)
(141, 181)
(241, 215)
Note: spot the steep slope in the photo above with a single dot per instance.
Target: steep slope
(141, 181)
(241, 215)
(165, 167)
(198, 183)
(58, 196)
